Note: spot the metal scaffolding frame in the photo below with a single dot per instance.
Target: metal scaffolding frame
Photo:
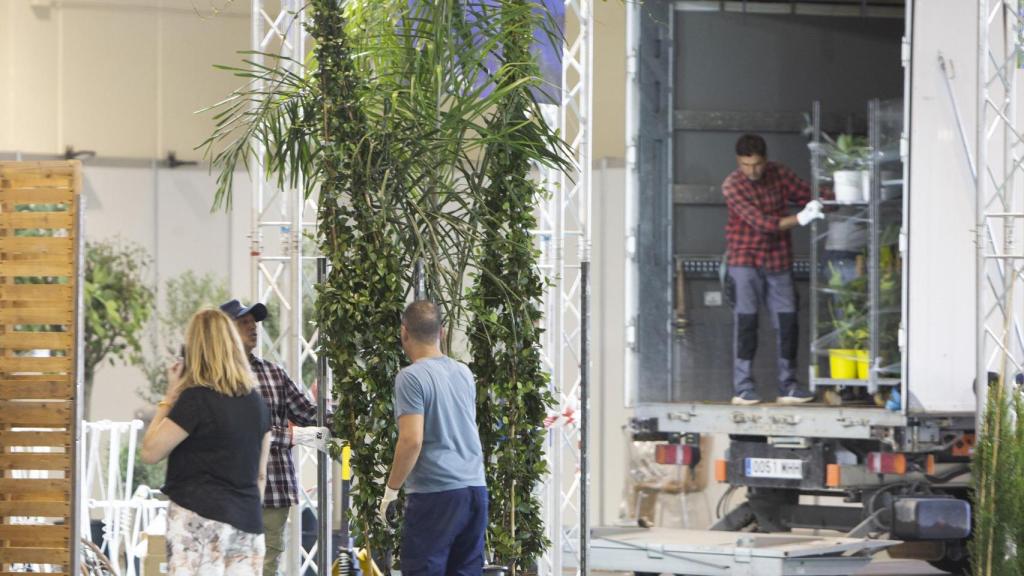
(283, 266)
(565, 242)
(999, 182)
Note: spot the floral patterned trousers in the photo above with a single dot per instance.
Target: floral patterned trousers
(198, 546)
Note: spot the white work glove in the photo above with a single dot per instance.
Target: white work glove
(311, 437)
(810, 213)
(390, 495)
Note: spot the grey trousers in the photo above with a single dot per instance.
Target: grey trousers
(753, 287)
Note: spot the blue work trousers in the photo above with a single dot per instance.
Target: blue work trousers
(443, 533)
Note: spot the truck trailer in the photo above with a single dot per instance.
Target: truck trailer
(885, 452)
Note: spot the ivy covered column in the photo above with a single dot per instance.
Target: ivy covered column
(512, 385)
(359, 304)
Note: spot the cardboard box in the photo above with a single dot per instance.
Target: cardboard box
(154, 562)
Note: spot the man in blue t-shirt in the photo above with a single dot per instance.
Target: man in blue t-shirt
(438, 457)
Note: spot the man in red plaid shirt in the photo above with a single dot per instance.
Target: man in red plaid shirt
(288, 403)
(760, 259)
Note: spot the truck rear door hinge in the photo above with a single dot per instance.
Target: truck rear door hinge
(631, 334)
(905, 52)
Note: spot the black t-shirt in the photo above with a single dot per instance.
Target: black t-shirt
(214, 471)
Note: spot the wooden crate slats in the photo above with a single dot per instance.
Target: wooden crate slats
(56, 341)
(25, 414)
(39, 204)
(33, 438)
(35, 461)
(58, 315)
(15, 246)
(12, 555)
(31, 364)
(37, 292)
(33, 532)
(13, 389)
(36, 220)
(53, 489)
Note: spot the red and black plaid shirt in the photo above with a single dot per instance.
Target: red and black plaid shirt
(752, 232)
(286, 402)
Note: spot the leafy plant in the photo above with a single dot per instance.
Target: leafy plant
(183, 296)
(847, 152)
(847, 310)
(118, 303)
(504, 335)
(997, 489)
(398, 123)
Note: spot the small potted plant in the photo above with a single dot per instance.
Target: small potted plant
(847, 159)
(849, 360)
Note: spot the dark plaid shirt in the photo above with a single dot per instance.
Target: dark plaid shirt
(286, 402)
(752, 232)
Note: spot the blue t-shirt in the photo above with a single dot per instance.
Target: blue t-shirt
(443, 391)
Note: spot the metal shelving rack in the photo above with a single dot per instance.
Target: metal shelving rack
(880, 214)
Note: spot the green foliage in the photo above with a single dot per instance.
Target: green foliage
(847, 310)
(118, 303)
(847, 152)
(359, 305)
(400, 123)
(997, 475)
(184, 295)
(504, 335)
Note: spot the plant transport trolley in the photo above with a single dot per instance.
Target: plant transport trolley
(700, 552)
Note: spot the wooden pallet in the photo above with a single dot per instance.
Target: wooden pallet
(39, 331)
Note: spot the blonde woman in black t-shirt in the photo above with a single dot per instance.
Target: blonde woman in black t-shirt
(213, 427)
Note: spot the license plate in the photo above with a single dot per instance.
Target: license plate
(774, 468)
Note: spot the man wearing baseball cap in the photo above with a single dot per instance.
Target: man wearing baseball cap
(287, 402)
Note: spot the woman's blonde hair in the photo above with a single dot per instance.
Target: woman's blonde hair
(214, 357)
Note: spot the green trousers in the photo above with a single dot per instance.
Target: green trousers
(274, 520)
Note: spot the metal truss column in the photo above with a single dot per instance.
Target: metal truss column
(282, 272)
(565, 245)
(999, 196)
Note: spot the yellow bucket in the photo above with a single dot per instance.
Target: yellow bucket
(842, 363)
(863, 364)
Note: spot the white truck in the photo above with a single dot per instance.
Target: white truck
(702, 73)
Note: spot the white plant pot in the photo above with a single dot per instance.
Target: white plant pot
(848, 186)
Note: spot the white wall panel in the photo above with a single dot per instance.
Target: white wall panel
(941, 334)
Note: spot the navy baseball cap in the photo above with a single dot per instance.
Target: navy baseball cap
(235, 310)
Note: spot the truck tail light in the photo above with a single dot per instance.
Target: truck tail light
(832, 475)
(678, 454)
(720, 470)
(887, 463)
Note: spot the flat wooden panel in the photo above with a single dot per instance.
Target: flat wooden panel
(50, 390)
(36, 340)
(35, 461)
(37, 245)
(34, 315)
(35, 533)
(52, 490)
(33, 364)
(35, 414)
(35, 555)
(30, 195)
(34, 181)
(50, 509)
(45, 220)
(37, 168)
(37, 267)
(37, 292)
(11, 438)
